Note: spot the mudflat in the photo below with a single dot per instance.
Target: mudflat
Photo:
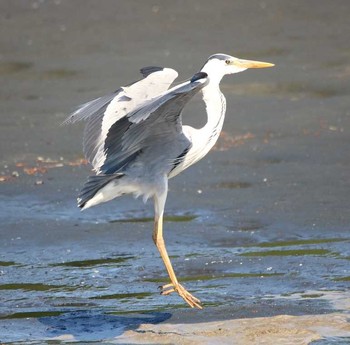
(258, 230)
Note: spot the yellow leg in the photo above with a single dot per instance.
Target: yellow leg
(174, 286)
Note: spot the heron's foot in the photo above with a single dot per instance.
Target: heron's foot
(189, 298)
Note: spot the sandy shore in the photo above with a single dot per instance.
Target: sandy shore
(281, 329)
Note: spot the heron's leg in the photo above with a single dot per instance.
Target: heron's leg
(159, 201)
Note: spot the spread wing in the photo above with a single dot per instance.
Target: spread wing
(152, 131)
(103, 112)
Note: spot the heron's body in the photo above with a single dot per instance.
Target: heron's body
(135, 140)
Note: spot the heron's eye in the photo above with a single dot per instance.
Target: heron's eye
(227, 62)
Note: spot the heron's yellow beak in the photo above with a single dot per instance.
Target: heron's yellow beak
(251, 64)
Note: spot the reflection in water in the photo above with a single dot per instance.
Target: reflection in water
(84, 326)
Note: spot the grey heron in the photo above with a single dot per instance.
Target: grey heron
(135, 140)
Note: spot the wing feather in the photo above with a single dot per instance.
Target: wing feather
(103, 112)
(154, 124)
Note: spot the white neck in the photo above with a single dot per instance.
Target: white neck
(215, 103)
(204, 139)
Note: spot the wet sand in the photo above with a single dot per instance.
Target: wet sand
(282, 329)
(258, 230)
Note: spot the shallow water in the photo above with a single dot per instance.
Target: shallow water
(260, 227)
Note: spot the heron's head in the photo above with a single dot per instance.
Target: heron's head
(219, 65)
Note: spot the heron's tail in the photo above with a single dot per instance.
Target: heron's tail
(89, 195)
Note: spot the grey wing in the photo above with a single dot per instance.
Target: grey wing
(152, 129)
(88, 109)
(103, 112)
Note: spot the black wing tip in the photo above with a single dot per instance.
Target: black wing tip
(146, 71)
(198, 76)
(81, 204)
(92, 186)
